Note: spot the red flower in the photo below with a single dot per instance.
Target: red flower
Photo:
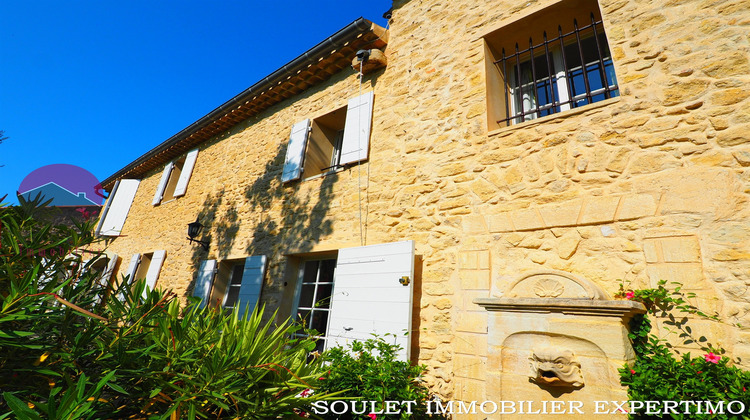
(700, 371)
(372, 416)
(305, 393)
(629, 295)
(632, 372)
(713, 358)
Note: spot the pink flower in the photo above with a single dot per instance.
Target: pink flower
(305, 393)
(372, 416)
(629, 295)
(713, 358)
(84, 213)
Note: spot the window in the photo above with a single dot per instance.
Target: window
(231, 283)
(174, 180)
(117, 207)
(329, 142)
(358, 293)
(105, 266)
(146, 266)
(314, 296)
(233, 288)
(324, 144)
(563, 63)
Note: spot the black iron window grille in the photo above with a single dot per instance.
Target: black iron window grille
(568, 71)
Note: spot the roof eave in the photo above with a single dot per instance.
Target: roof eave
(208, 125)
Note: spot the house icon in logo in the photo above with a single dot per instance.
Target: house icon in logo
(60, 196)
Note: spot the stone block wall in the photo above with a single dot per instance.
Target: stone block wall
(650, 185)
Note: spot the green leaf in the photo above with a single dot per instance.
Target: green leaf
(117, 388)
(20, 408)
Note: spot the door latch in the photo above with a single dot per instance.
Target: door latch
(404, 280)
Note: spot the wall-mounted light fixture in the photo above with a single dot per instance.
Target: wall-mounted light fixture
(194, 229)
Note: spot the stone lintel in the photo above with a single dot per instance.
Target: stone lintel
(595, 307)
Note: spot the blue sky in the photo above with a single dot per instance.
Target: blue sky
(98, 83)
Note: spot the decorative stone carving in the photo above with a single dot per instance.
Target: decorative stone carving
(548, 288)
(554, 284)
(555, 367)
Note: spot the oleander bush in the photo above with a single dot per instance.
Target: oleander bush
(660, 373)
(70, 349)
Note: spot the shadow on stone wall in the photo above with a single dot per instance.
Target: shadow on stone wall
(302, 222)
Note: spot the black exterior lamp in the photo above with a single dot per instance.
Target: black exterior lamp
(194, 229)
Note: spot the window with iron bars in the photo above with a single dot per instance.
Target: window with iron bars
(554, 74)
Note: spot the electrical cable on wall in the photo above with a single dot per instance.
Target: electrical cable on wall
(362, 240)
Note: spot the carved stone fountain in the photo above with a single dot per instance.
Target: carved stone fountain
(556, 337)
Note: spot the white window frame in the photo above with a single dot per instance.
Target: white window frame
(238, 285)
(560, 82)
(298, 294)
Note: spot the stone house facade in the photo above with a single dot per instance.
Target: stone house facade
(478, 174)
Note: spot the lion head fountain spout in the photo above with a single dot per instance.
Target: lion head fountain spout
(555, 367)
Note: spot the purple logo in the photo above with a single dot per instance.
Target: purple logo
(65, 185)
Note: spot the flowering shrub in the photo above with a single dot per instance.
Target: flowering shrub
(658, 375)
(370, 371)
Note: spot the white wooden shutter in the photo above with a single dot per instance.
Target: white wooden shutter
(154, 268)
(205, 278)
(106, 276)
(107, 273)
(368, 297)
(105, 209)
(163, 183)
(252, 281)
(135, 260)
(356, 141)
(187, 170)
(133, 267)
(295, 151)
(118, 206)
